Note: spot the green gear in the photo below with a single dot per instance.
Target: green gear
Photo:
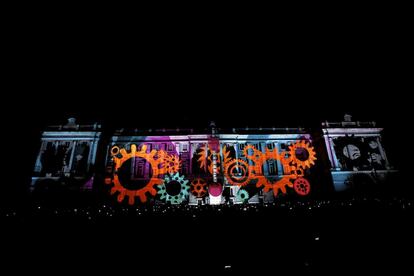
(242, 196)
(176, 199)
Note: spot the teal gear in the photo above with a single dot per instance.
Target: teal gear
(242, 196)
(174, 199)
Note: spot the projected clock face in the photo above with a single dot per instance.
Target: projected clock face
(351, 151)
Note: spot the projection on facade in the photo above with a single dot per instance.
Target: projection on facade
(211, 166)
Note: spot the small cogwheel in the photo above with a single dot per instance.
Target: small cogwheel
(198, 187)
(171, 162)
(302, 186)
(242, 196)
(172, 179)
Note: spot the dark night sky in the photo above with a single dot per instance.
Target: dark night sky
(254, 76)
(184, 76)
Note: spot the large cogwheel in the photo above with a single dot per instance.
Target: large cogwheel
(242, 196)
(237, 172)
(259, 160)
(168, 180)
(302, 154)
(120, 156)
(198, 187)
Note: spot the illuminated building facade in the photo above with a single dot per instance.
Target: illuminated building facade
(210, 166)
(67, 155)
(356, 154)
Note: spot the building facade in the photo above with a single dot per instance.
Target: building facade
(356, 154)
(210, 166)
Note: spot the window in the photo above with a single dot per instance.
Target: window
(170, 147)
(272, 166)
(138, 171)
(185, 147)
(80, 158)
(149, 148)
(184, 165)
(241, 152)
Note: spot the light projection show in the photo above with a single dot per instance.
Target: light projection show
(161, 171)
(210, 167)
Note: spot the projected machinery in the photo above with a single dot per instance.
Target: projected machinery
(239, 169)
(210, 166)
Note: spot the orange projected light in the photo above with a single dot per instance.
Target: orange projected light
(237, 172)
(198, 187)
(154, 158)
(206, 158)
(300, 156)
(170, 163)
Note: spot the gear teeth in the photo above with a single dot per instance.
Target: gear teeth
(131, 200)
(123, 153)
(240, 163)
(302, 186)
(205, 155)
(121, 196)
(255, 171)
(242, 196)
(149, 187)
(176, 199)
(198, 187)
(311, 154)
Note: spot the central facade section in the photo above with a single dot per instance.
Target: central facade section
(208, 169)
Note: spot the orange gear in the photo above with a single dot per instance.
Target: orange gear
(282, 183)
(198, 187)
(171, 162)
(149, 187)
(257, 155)
(235, 179)
(260, 158)
(278, 185)
(302, 163)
